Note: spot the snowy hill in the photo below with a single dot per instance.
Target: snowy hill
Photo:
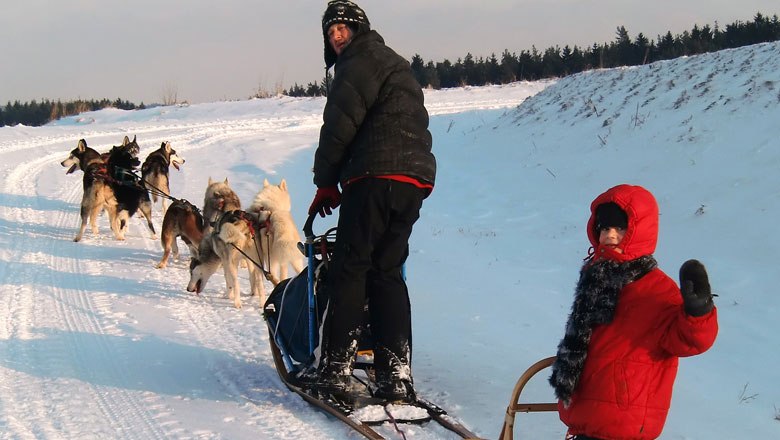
(97, 343)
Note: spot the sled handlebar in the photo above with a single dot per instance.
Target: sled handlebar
(308, 228)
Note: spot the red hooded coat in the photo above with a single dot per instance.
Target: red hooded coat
(625, 387)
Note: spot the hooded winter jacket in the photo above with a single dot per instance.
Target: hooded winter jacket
(625, 386)
(374, 122)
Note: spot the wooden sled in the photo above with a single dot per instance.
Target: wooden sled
(507, 431)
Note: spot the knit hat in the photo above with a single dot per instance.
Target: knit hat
(610, 215)
(342, 11)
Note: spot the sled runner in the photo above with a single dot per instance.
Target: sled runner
(507, 430)
(293, 314)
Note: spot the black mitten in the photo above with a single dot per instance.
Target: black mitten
(695, 288)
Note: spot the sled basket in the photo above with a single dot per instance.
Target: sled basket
(286, 312)
(295, 308)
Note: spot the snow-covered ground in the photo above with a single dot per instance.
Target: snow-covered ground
(97, 343)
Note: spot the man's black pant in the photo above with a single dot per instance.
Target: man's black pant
(372, 244)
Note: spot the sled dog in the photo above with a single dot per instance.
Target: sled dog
(280, 237)
(131, 197)
(219, 199)
(182, 219)
(231, 240)
(98, 193)
(154, 172)
(131, 147)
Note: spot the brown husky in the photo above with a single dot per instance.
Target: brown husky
(182, 219)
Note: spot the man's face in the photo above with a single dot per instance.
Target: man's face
(339, 35)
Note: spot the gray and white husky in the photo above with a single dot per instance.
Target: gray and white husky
(231, 241)
(219, 199)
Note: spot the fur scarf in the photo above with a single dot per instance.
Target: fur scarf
(595, 301)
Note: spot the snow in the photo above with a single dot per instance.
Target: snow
(96, 343)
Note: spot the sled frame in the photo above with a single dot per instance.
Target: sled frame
(507, 430)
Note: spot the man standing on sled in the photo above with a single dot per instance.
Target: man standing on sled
(375, 143)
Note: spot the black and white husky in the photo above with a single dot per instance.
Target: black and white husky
(154, 172)
(131, 196)
(108, 184)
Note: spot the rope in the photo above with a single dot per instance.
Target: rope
(395, 423)
(145, 185)
(268, 276)
(242, 215)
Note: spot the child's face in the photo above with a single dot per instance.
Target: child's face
(612, 236)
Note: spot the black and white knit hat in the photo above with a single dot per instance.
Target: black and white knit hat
(342, 11)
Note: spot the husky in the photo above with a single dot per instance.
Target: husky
(231, 240)
(182, 219)
(130, 195)
(219, 199)
(154, 172)
(131, 147)
(98, 192)
(280, 238)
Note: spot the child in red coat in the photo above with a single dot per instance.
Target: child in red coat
(629, 324)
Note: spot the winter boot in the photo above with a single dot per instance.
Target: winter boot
(334, 380)
(393, 388)
(396, 391)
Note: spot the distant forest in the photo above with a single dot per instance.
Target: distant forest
(35, 113)
(553, 62)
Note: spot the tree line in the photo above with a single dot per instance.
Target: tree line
(555, 62)
(36, 113)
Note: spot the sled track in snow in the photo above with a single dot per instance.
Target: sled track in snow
(58, 327)
(74, 318)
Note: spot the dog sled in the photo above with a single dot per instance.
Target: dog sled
(293, 314)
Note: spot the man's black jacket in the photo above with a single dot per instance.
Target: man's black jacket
(375, 122)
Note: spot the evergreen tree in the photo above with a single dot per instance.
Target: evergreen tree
(418, 70)
(509, 65)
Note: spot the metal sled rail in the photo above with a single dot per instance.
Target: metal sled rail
(507, 431)
(437, 414)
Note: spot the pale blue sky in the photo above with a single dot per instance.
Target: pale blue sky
(209, 51)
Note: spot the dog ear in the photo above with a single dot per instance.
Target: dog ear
(283, 185)
(265, 183)
(82, 145)
(226, 181)
(125, 141)
(210, 181)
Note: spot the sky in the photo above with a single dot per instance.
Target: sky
(205, 51)
(96, 343)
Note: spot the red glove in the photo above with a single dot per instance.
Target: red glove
(327, 198)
